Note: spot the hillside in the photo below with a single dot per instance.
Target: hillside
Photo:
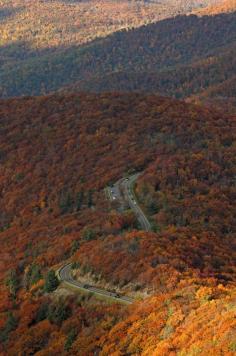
(221, 96)
(29, 26)
(222, 6)
(202, 78)
(58, 153)
(175, 57)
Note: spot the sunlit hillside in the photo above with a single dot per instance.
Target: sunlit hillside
(49, 24)
(222, 6)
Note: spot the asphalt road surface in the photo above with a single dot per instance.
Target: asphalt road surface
(64, 274)
(126, 186)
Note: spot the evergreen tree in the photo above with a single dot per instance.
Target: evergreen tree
(88, 234)
(10, 325)
(42, 312)
(70, 339)
(59, 312)
(66, 203)
(90, 198)
(79, 200)
(12, 282)
(33, 275)
(51, 281)
(75, 246)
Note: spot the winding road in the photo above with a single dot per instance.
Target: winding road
(64, 274)
(122, 191)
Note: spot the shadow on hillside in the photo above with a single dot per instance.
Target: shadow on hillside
(20, 51)
(9, 12)
(156, 52)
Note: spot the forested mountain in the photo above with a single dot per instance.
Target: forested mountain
(177, 57)
(57, 154)
(55, 23)
(101, 72)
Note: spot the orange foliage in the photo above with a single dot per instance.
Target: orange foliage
(55, 148)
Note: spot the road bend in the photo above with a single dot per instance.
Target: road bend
(64, 274)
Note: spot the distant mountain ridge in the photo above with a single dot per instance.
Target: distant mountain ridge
(51, 24)
(177, 57)
(114, 45)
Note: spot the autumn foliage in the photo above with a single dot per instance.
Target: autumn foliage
(57, 155)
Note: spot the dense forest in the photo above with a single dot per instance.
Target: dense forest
(101, 73)
(221, 97)
(179, 57)
(57, 155)
(57, 23)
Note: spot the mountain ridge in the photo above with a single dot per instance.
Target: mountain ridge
(160, 49)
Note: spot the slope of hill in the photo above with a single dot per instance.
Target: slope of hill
(31, 29)
(179, 57)
(57, 155)
(50, 24)
(181, 81)
(221, 96)
(222, 6)
(193, 319)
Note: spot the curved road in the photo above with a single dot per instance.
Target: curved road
(64, 274)
(126, 186)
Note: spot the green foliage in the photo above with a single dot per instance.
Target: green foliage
(75, 265)
(42, 312)
(33, 275)
(232, 346)
(88, 234)
(55, 312)
(70, 339)
(51, 282)
(70, 202)
(58, 312)
(79, 200)
(5, 227)
(10, 325)
(12, 282)
(156, 227)
(19, 176)
(66, 203)
(74, 246)
(152, 207)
